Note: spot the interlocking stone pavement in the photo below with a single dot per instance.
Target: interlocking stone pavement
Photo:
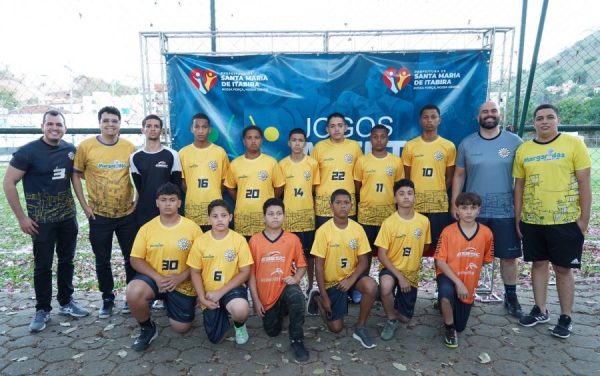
(91, 346)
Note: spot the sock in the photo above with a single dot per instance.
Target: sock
(238, 324)
(449, 326)
(510, 289)
(146, 324)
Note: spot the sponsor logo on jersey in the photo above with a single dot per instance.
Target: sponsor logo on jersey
(156, 245)
(274, 256)
(277, 271)
(184, 244)
(263, 175)
(229, 255)
(438, 155)
(116, 165)
(504, 153)
(212, 165)
(550, 155)
(162, 164)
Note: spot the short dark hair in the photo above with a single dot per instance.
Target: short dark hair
(201, 115)
(468, 198)
(403, 183)
(336, 114)
(546, 106)
(340, 192)
(273, 201)
(429, 106)
(380, 127)
(152, 117)
(297, 131)
(53, 113)
(109, 110)
(252, 128)
(168, 189)
(218, 203)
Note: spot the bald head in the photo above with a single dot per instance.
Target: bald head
(489, 115)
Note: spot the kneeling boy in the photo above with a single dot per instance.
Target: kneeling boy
(159, 256)
(220, 263)
(463, 248)
(279, 265)
(340, 249)
(401, 242)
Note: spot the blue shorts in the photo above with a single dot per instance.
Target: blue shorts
(437, 222)
(507, 244)
(339, 300)
(180, 307)
(460, 310)
(404, 302)
(216, 321)
(307, 238)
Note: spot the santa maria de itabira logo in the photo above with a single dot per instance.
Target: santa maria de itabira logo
(203, 79)
(396, 79)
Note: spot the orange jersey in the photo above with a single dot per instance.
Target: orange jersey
(274, 261)
(465, 256)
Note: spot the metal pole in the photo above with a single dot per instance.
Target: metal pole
(536, 50)
(520, 67)
(213, 27)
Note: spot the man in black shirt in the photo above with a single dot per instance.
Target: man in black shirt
(46, 166)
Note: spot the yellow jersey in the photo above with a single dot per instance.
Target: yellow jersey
(255, 180)
(428, 162)
(336, 167)
(300, 177)
(340, 248)
(106, 172)
(219, 259)
(166, 249)
(203, 171)
(404, 241)
(377, 177)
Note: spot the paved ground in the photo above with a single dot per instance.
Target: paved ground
(91, 346)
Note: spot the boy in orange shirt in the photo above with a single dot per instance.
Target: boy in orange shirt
(463, 248)
(278, 268)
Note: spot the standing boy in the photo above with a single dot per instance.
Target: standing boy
(278, 267)
(401, 242)
(340, 249)
(45, 166)
(463, 248)
(429, 162)
(159, 256)
(204, 166)
(220, 260)
(301, 174)
(251, 179)
(336, 157)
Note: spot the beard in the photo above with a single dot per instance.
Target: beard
(487, 125)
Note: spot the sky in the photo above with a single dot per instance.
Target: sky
(59, 39)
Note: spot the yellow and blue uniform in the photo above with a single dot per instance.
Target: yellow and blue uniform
(300, 177)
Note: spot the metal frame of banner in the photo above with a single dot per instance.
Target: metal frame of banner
(155, 45)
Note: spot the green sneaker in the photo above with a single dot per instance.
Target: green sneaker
(389, 329)
(241, 335)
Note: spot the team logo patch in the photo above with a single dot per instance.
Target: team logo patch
(396, 79)
(389, 171)
(348, 158)
(71, 155)
(503, 153)
(229, 255)
(212, 165)
(203, 80)
(263, 175)
(418, 233)
(438, 155)
(184, 244)
(307, 175)
(353, 244)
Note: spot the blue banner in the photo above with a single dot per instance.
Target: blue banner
(281, 92)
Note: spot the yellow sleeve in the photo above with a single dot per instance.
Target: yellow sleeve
(139, 244)
(363, 242)
(427, 231)
(244, 255)
(518, 171)
(399, 171)
(316, 173)
(194, 259)
(407, 154)
(80, 157)
(383, 239)
(225, 164)
(358, 169)
(451, 160)
(581, 156)
(230, 181)
(320, 244)
(278, 177)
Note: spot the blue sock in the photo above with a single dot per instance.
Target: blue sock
(510, 289)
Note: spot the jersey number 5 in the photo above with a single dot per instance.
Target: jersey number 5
(344, 262)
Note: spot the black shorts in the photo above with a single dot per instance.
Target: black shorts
(404, 302)
(180, 307)
(507, 244)
(562, 244)
(372, 232)
(437, 222)
(307, 238)
(339, 300)
(216, 321)
(460, 310)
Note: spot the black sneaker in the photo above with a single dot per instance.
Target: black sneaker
(534, 317)
(147, 335)
(107, 309)
(563, 328)
(511, 303)
(451, 339)
(312, 308)
(300, 352)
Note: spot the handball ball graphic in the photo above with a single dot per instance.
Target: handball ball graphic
(271, 134)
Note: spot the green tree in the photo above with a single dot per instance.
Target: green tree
(572, 110)
(8, 99)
